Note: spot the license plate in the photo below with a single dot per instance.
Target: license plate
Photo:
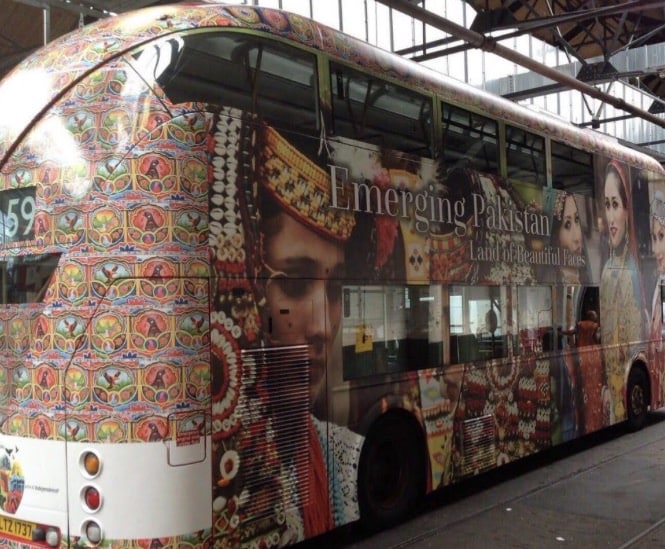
(17, 529)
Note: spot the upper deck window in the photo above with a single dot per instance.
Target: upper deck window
(525, 156)
(381, 113)
(572, 169)
(469, 139)
(273, 80)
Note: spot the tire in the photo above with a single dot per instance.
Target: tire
(637, 399)
(391, 476)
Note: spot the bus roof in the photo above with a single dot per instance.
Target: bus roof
(66, 60)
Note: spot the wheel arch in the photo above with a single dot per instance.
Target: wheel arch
(398, 414)
(395, 419)
(639, 363)
(637, 395)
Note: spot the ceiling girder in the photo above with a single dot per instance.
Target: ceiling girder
(636, 64)
(81, 9)
(489, 44)
(93, 8)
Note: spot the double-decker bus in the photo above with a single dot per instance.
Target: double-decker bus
(260, 279)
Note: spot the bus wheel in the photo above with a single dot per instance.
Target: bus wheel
(391, 473)
(637, 399)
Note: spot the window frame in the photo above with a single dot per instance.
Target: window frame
(377, 90)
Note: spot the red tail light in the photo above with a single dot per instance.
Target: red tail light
(92, 498)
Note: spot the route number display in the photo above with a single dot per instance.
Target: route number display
(17, 215)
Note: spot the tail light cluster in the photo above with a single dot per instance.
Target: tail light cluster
(90, 466)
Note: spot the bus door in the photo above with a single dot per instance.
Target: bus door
(482, 325)
(440, 381)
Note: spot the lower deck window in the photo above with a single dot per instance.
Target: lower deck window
(477, 323)
(389, 329)
(24, 279)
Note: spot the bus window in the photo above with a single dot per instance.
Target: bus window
(572, 305)
(273, 80)
(579, 315)
(468, 138)
(525, 156)
(389, 329)
(24, 279)
(536, 331)
(381, 113)
(477, 323)
(572, 170)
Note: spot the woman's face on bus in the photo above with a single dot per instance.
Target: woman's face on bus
(304, 293)
(570, 232)
(615, 210)
(658, 243)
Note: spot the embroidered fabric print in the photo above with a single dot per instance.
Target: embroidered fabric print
(343, 455)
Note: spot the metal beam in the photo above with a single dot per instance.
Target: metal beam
(76, 8)
(634, 63)
(46, 14)
(92, 8)
(490, 45)
(537, 24)
(597, 121)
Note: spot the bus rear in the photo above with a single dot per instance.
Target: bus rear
(105, 314)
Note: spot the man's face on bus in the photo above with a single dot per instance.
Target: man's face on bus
(304, 295)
